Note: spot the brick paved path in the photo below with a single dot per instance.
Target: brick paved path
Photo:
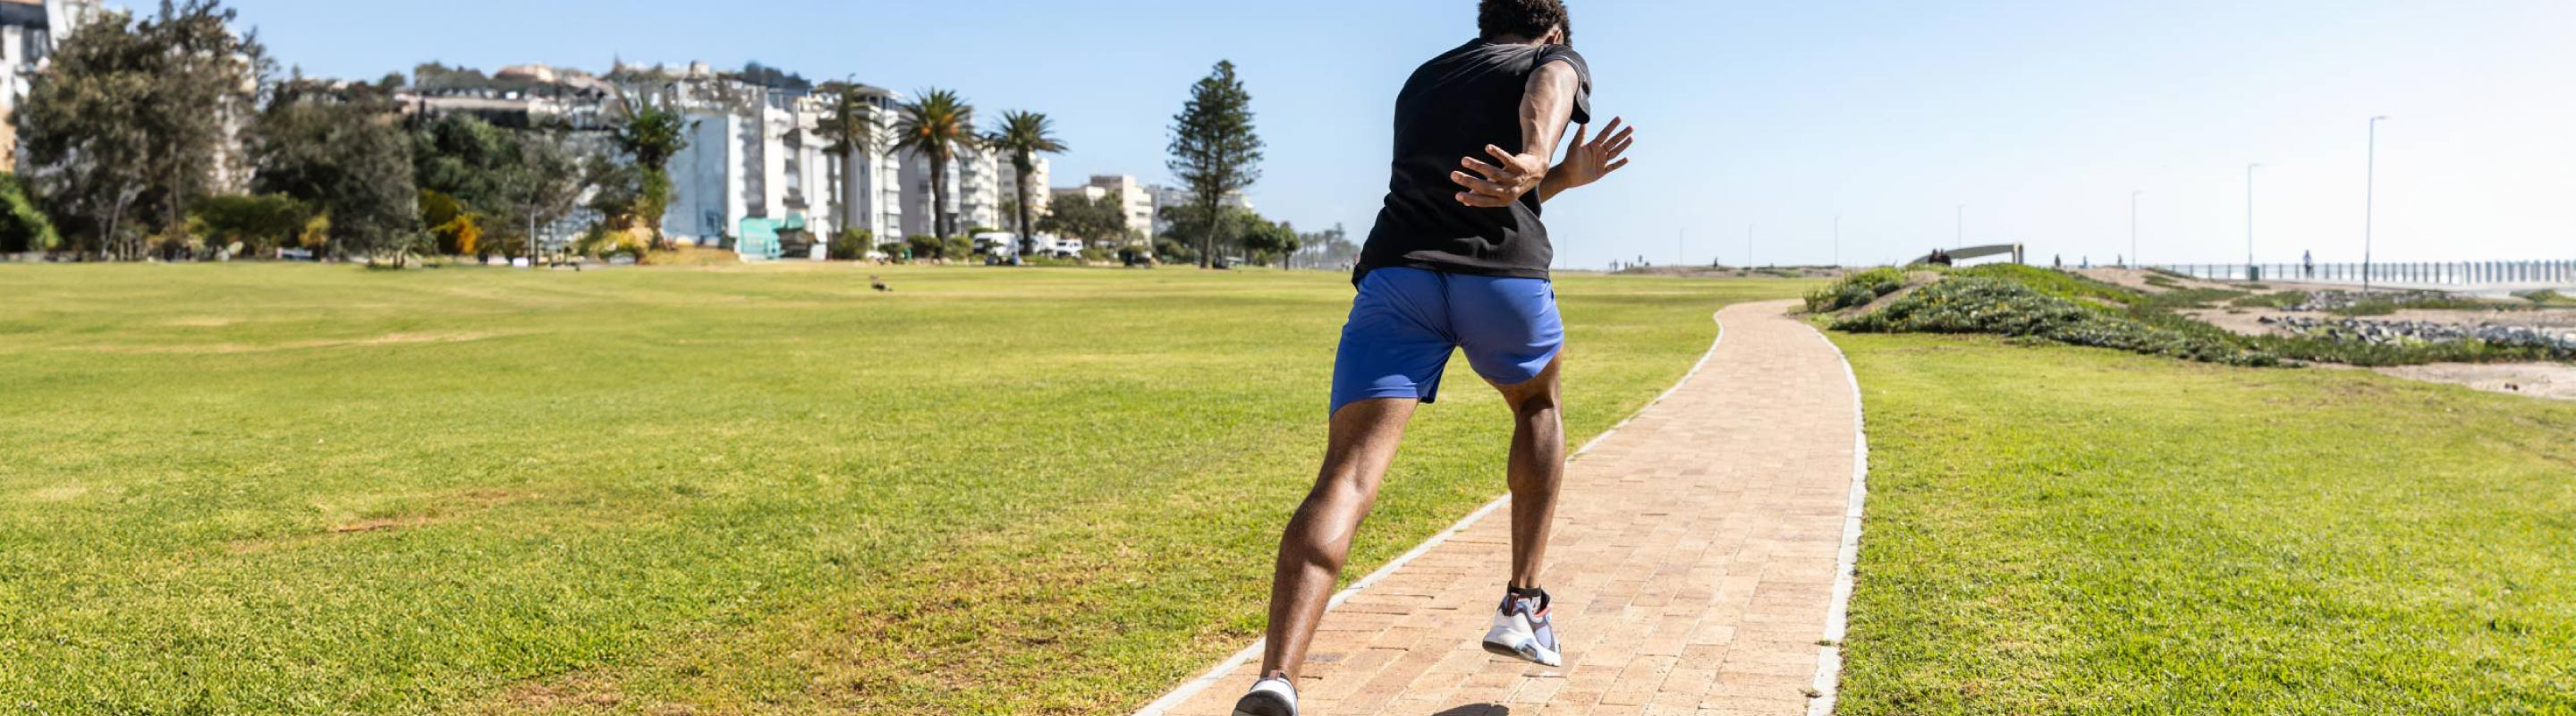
(1695, 561)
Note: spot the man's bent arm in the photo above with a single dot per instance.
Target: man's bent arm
(1546, 107)
(1545, 111)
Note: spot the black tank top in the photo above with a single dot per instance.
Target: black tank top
(1452, 107)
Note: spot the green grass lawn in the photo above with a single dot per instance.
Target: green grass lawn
(261, 489)
(2079, 531)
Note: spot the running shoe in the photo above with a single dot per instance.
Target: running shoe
(1273, 695)
(1521, 630)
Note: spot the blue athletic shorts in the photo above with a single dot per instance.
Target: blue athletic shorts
(1406, 322)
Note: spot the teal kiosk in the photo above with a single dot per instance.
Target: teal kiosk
(760, 237)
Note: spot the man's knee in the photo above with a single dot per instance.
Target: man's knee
(1536, 409)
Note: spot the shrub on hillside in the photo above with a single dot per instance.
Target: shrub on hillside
(1999, 306)
(2055, 283)
(1855, 290)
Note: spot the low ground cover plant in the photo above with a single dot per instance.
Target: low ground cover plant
(1858, 289)
(2000, 306)
(2039, 304)
(2549, 298)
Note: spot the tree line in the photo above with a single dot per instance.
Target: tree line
(169, 136)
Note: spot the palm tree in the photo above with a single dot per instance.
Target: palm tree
(937, 125)
(1024, 135)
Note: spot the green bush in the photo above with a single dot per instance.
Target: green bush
(2055, 283)
(2329, 349)
(851, 245)
(1855, 290)
(2034, 304)
(2001, 306)
(23, 227)
(925, 246)
(260, 223)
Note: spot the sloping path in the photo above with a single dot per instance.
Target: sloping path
(1702, 555)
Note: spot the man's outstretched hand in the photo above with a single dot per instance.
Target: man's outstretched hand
(1495, 186)
(1498, 185)
(1589, 161)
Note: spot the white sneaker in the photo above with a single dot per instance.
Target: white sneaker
(1273, 695)
(1521, 630)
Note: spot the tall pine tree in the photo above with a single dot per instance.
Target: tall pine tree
(1214, 150)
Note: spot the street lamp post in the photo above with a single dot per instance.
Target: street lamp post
(2369, 196)
(2134, 260)
(2249, 220)
(1838, 241)
(1748, 247)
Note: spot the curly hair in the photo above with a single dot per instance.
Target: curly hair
(1523, 18)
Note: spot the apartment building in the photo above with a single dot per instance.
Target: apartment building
(870, 178)
(1041, 196)
(974, 197)
(1135, 199)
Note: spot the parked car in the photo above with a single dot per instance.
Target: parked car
(1007, 246)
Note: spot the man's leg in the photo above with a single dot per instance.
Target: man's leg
(1364, 438)
(1537, 469)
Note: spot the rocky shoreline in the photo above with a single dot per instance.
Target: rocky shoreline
(2560, 344)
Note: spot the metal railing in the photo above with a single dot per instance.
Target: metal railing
(2451, 273)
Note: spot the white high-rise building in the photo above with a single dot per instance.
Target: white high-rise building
(758, 156)
(974, 198)
(754, 153)
(871, 178)
(1041, 196)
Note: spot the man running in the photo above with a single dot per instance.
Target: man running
(1458, 260)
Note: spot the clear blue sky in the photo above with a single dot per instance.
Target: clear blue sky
(2042, 116)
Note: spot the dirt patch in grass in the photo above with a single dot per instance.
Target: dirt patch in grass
(389, 339)
(383, 523)
(57, 493)
(440, 511)
(2136, 280)
(2554, 381)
